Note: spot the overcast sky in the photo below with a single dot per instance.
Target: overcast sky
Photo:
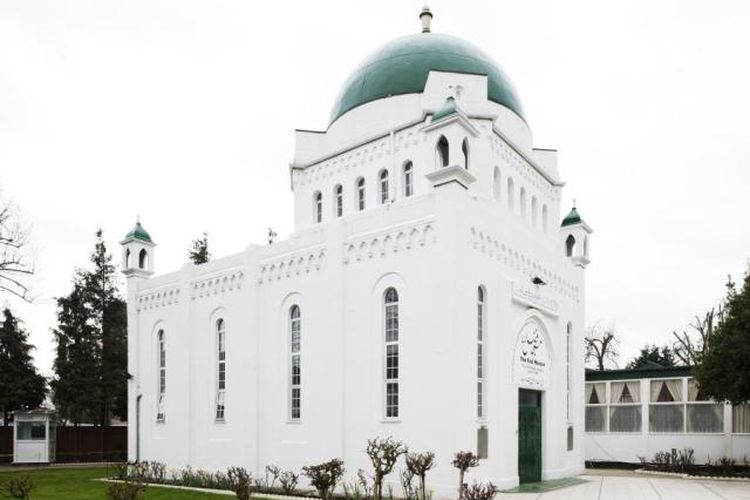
(184, 111)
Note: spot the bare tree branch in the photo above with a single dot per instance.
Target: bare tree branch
(690, 346)
(15, 261)
(602, 347)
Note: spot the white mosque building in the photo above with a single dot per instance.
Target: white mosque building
(428, 292)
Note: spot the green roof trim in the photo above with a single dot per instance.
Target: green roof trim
(139, 233)
(631, 374)
(403, 65)
(573, 217)
(448, 109)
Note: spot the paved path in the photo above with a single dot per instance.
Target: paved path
(642, 488)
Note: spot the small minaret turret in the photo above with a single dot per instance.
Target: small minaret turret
(426, 18)
(575, 235)
(137, 253)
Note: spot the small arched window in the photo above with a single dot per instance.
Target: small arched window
(511, 194)
(383, 182)
(318, 206)
(338, 193)
(522, 203)
(570, 246)
(142, 259)
(481, 368)
(127, 258)
(534, 211)
(295, 363)
(544, 218)
(221, 369)
(586, 246)
(408, 179)
(162, 371)
(568, 370)
(442, 152)
(496, 184)
(392, 365)
(465, 152)
(360, 194)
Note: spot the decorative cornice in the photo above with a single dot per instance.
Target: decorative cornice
(289, 266)
(389, 242)
(453, 173)
(217, 284)
(160, 297)
(531, 295)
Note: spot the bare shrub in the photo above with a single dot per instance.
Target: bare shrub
(324, 476)
(383, 453)
(463, 461)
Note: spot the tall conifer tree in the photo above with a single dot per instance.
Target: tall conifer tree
(91, 364)
(21, 386)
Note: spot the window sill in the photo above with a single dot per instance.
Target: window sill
(294, 421)
(390, 421)
(161, 421)
(220, 421)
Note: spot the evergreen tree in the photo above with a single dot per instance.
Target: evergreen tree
(91, 364)
(651, 354)
(198, 252)
(21, 386)
(724, 373)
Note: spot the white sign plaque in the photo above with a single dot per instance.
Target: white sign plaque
(531, 359)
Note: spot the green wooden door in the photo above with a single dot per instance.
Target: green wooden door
(530, 439)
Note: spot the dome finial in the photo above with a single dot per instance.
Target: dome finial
(426, 18)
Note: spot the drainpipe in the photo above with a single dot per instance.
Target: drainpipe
(138, 427)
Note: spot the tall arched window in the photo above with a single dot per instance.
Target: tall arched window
(496, 184)
(568, 373)
(534, 211)
(544, 218)
(338, 193)
(408, 179)
(570, 246)
(221, 369)
(127, 258)
(295, 363)
(142, 259)
(162, 370)
(481, 319)
(360, 194)
(442, 152)
(465, 152)
(384, 192)
(522, 203)
(511, 194)
(318, 206)
(390, 314)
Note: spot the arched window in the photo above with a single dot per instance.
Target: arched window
(586, 246)
(522, 202)
(360, 194)
(295, 363)
(339, 195)
(481, 328)
(318, 206)
(162, 371)
(221, 369)
(408, 179)
(570, 246)
(442, 152)
(511, 194)
(384, 193)
(534, 211)
(544, 218)
(465, 152)
(127, 258)
(568, 373)
(142, 259)
(390, 314)
(496, 184)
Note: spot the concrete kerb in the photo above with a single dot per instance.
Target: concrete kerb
(209, 490)
(688, 476)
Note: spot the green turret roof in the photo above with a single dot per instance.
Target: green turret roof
(448, 109)
(573, 217)
(139, 233)
(402, 66)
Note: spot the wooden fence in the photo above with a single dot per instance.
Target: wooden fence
(78, 444)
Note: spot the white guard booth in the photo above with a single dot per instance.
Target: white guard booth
(34, 437)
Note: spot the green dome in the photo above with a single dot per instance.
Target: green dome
(573, 217)
(139, 233)
(402, 66)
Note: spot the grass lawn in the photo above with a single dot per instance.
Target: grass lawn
(53, 483)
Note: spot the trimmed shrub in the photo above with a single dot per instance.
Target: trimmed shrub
(324, 476)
